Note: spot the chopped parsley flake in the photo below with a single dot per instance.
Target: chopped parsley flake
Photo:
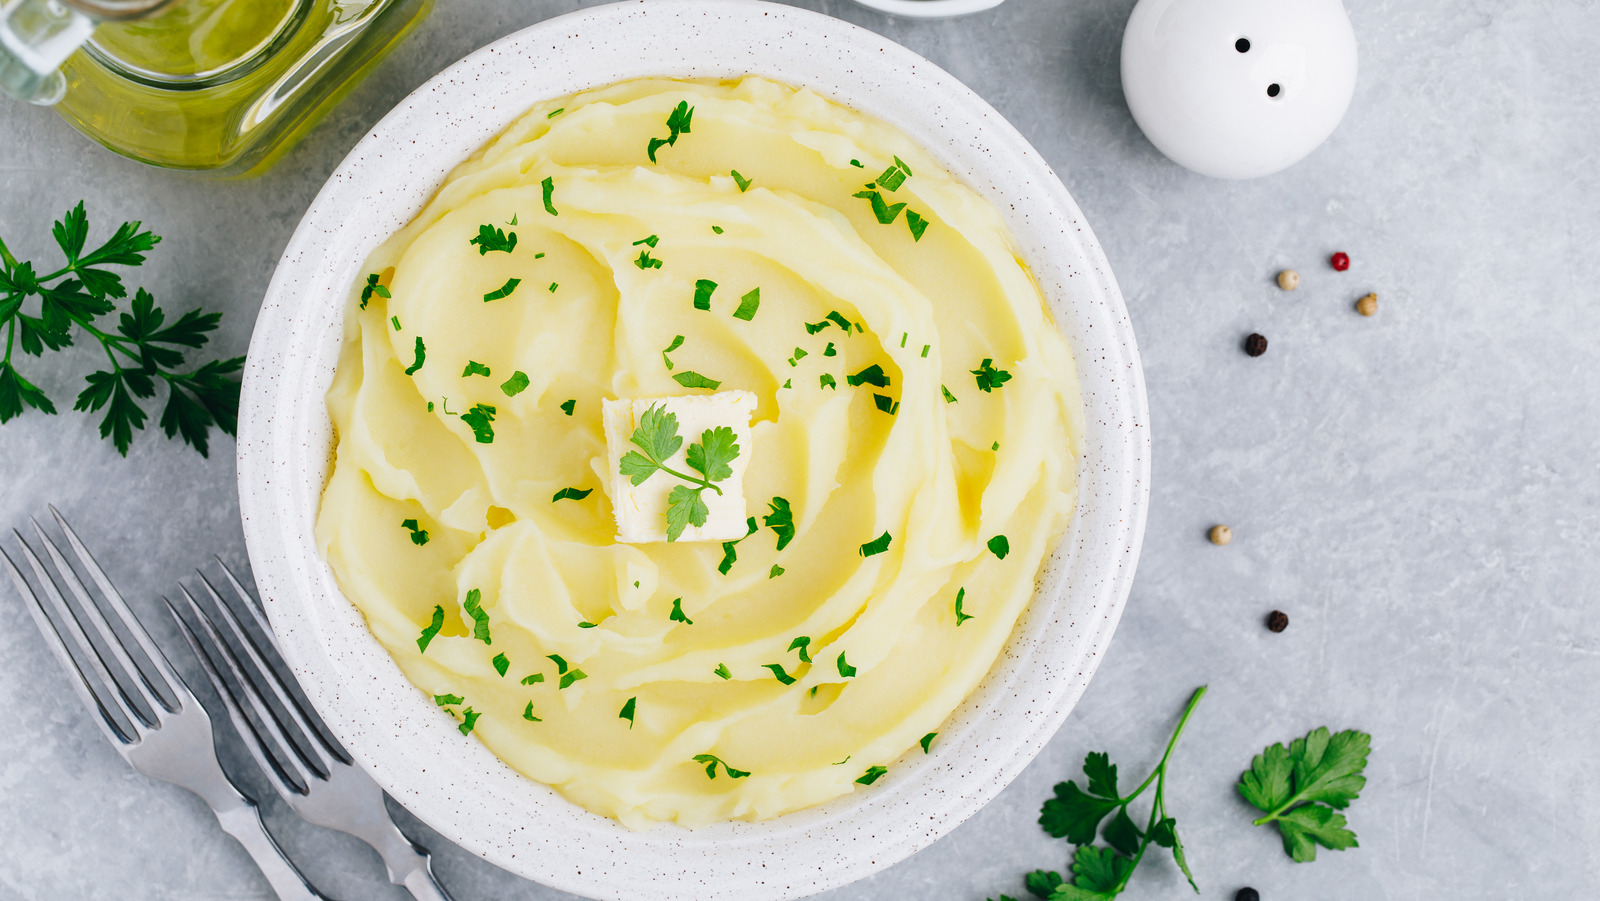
(948, 397)
(788, 383)
(702, 293)
(845, 669)
(748, 305)
(501, 664)
(572, 493)
(857, 164)
(480, 618)
(422, 357)
(395, 321)
(677, 615)
(538, 256)
(447, 700)
(677, 342)
(813, 327)
(648, 242)
(549, 185)
(678, 122)
(903, 337)
(884, 212)
(535, 678)
(730, 551)
(872, 375)
(961, 616)
(830, 350)
(1000, 546)
(372, 287)
(917, 224)
(691, 379)
(711, 761)
(561, 663)
(871, 775)
(419, 537)
(478, 419)
(491, 238)
(803, 645)
(740, 180)
(645, 261)
(568, 405)
(556, 113)
(587, 625)
(515, 385)
(717, 229)
(554, 286)
(571, 677)
(876, 546)
(469, 718)
(780, 520)
(722, 671)
(779, 674)
(775, 572)
(474, 368)
(527, 714)
(627, 711)
(503, 291)
(988, 377)
(927, 741)
(996, 446)
(886, 403)
(842, 322)
(826, 381)
(799, 354)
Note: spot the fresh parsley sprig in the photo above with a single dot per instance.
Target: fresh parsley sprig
(143, 350)
(712, 457)
(1301, 788)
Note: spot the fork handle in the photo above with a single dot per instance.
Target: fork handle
(243, 822)
(408, 865)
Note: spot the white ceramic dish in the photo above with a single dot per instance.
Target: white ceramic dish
(930, 9)
(460, 788)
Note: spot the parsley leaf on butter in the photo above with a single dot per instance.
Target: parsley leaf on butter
(988, 377)
(677, 342)
(419, 536)
(780, 520)
(1301, 788)
(657, 436)
(515, 385)
(572, 494)
(677, 615)
(431, 630)
(422, 357)
(748, 305)
(877, 545)
(491, 238)
(503, 291)
(480, 618)
(478, 419)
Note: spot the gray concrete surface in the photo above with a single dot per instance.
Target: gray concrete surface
(1420, 491)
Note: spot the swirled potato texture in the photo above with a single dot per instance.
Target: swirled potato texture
(664, 681)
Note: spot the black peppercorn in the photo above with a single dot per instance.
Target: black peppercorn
(1277, 621)
(1255, 345)
(1247, 894)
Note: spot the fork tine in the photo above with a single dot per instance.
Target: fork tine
(257, 614)
(80, 683)
(154, 701)
(280, 778)
(175, 684)
(304, 738)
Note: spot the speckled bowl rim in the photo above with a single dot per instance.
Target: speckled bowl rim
(930, 9)
(460, 788)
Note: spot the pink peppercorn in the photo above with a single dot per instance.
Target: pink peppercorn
(1340, 261)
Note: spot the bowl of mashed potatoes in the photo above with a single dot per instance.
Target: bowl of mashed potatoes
(703, 474)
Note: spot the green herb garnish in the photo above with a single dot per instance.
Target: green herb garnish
(730, 552)
(556, 113)
(469, 718)
(712, 456)
(748, 305)
(779, 674)
(702, 293)
(872, 375)
(572, 676)
(872, 775)
(478, 419)
(480, 618)
(813, 327)
(446, 700)
(990, 378)
(722, 671)
(717, 229)
(775, 572)
(535, 678)
(883, 211)
(515, 385)
(527, 714)
(419, 537)
(678, 123)
(572, 494)
(1000, 546)
(927, 741)
(691, 379)
(677, 342)
(830, 350)
(741, 181)
(367, 291)
(422, 357)
(645, 261)
(474, 368)
(1301, 788)
(567, 406)
(799, 354)
(587, 625)
(553, 287)
(803, 645)
(961, 616)
(503, 291)
(948, 397)
(886, 403)
(395, 321)
(925, 349)
(780, 520)
(549, 186)
(711, 761)
(876, 546)
(826, 381)
(650, 241)
(491, 238)
(677, 615)
(627, 711)
(845, 669)
(501, 664)
(561, 663)
(916, 223)
(430, 630)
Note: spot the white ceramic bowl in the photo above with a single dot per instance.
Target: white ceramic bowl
(460, 788)
(930, 9)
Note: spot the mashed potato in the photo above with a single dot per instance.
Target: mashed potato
(912, 455)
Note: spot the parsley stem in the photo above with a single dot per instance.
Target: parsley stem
(696, 481)
(5, 254)
(10, 334)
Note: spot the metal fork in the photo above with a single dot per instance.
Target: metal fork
(313, 774)
(146, 711)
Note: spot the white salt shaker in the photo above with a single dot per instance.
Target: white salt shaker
(1238, 88)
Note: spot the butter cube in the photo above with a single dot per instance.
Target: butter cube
(641, 510)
